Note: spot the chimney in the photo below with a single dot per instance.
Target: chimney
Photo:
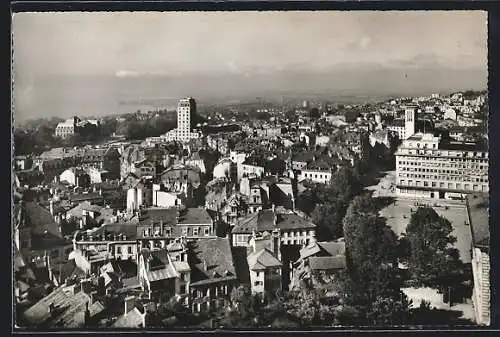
(93, 297)
(85, 286)
(51, 308)
(143, 315)
(86, 314)
(129, 304)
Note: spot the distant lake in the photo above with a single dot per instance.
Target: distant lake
(66, 96)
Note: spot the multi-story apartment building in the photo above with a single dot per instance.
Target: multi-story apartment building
(431, 167)
(201, 274)
(159, 226)
(67, 128)
(186, 112)
(293, 228)
(93, 249)
(322, 176)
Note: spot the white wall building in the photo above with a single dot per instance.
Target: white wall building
(317, 176)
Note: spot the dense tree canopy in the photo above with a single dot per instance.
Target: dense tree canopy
(327, 204)
(432, 259)
(373, 286)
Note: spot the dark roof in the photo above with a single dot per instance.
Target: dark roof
(216, 255)
(86, 196)
(293, 221)
(173, 216)
(68, 309)
(67, 270)
(167, 215)
(37, 217)
(194, 216)
(462, 146)
(477, 208)
(129, 229)
(268, 220)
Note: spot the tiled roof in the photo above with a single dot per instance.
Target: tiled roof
(84, 206)
(267, 220)
(293, 221)
(262, 259)
(132, 319)
(327, 262)
(216, 255)
(161, 274)
(167, 215)
(85, 196)
(194, 216)
(128, 229)
(333, 248)
(68, 311)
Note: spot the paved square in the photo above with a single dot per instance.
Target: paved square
(399, 213)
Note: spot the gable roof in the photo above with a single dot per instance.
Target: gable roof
(262, 259)
(268, 220)
(327, 262)
(132, 319)
(68, 311)
(215, 254)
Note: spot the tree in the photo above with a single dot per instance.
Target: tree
(243, 310)
(371, 252)
(306, 306)
(314, 113)
(328, 219)
(390, 311)
(432, 259)
(222, 228)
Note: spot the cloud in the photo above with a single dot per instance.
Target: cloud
(364, 42)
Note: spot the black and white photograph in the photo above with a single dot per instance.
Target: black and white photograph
(249, 170)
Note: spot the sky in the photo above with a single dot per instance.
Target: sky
(243, 43)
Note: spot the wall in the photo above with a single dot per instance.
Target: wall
(257, 281)
(481, 293)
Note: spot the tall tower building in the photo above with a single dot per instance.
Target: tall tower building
(410, 116)
(186, 111)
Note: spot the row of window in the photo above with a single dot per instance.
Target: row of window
(315, 175)
(473, 167)
(458, 186)
(468, 170)
(450, 177)
(433, 160)
(217, 290)
(119, 250)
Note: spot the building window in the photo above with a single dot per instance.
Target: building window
(118, 250)
(129, 249)
(182, 289)
(257, 274)
(195, 231)
(207, 231)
